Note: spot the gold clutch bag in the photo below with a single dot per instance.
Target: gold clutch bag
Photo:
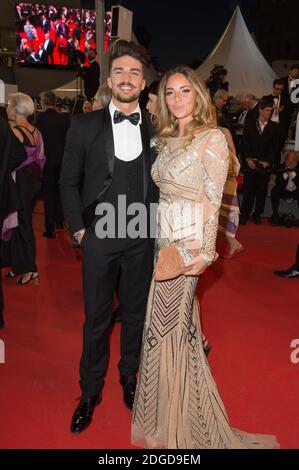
(171, 261)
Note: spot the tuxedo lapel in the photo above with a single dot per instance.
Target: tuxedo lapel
(108, 150)
(108, 140)
(146, 154)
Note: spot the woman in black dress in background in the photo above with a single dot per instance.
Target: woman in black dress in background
(19, 251)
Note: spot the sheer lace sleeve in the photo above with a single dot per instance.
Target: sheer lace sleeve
(215, 166)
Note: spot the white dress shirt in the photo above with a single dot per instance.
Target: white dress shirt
(127, 137)
(276, 106)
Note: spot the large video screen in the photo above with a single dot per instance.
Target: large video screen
(56, 36)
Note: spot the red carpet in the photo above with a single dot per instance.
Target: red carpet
(249, 316)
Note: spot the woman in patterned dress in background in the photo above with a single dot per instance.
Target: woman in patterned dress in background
(177, 404)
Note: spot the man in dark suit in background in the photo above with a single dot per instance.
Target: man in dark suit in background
(12, 154)
(260, 147)
(108, 155)
(45, 24)
(53, 127)
(281, 112)
(49, 49)
(91, 75)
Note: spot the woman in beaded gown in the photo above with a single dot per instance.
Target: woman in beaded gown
(177, 404)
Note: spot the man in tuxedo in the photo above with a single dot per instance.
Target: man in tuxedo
(106, 168)
(280, 113)
(49, 49)
(53, 127)
(12, 154)
(45, 24)
(41, 54)
(91, 75)
(259, 152)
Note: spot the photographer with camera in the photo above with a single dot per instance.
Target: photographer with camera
(286, 187)
(217, 80)
(260, 147)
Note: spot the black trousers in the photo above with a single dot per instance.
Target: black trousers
(101, 262)
(51, 195)
(255, 191)
(280, 193)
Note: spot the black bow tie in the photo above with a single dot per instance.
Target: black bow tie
(119, 117)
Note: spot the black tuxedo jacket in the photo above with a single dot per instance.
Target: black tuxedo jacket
(50, 47)
(12, 154)
(261, 146)
(53, 127)
(88, 164)
(284, 101)
(252, 114)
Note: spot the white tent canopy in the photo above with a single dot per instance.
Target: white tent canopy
(248, 71)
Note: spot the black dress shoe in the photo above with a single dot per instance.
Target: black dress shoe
(257, 219)
(49, 235)
(83, 413)
(288, 273)
(129, 387)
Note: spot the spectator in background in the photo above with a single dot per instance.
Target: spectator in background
(152, 97)
(102, 97)
(251, 103)
(286, 184)
(220, 100)
(91, 75)
(217, 80)
(12, 155)
(87, 106)
(20, 251)
(53, 127)
(261, 139)
(280, 113)
(45, 24)
(49, 49)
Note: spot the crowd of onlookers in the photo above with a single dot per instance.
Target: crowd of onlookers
(56, 35)
(260, 127)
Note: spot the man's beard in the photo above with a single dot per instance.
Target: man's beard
(126, 99)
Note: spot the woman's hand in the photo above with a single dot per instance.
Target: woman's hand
(198, 265)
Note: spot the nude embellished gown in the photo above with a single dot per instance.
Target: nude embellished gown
(177, 404)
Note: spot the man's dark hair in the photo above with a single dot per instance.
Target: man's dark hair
(295, 66)
(121, 48)
(277, 81)
(265, 103)
(49, 98)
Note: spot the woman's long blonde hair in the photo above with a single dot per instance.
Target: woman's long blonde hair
(167, 124)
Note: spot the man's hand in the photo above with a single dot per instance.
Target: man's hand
(251, 164)
(264, 164)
